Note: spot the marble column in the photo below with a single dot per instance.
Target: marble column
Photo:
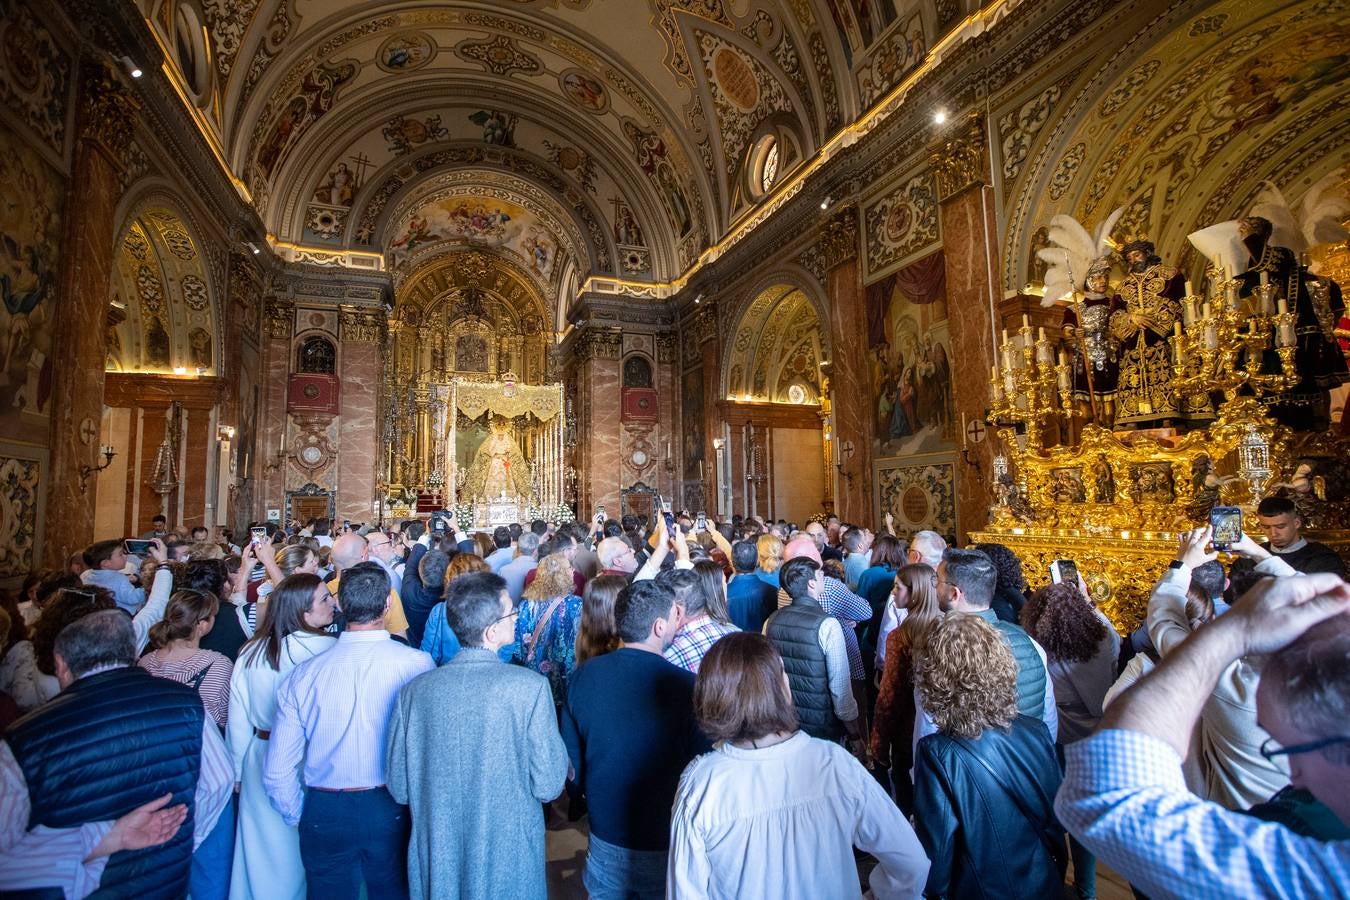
(850, 381)
(710, 352)
(359, 425)
(969, 242)
(598, 350)
(104, 119)
(266, 469)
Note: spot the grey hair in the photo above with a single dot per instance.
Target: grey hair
(930, 546)
(1312, 678)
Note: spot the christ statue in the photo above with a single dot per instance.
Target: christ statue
(498, 468)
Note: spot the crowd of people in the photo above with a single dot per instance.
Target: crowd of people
(730, 710)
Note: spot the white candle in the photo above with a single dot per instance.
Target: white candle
(963, 429)
(1190, 292)
(1265, 278)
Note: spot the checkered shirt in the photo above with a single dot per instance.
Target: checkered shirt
(691, 643)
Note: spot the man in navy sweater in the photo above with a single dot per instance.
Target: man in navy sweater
(629, 728)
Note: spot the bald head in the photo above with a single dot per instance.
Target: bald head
(614, 553)
(348, 550)
(803, 545)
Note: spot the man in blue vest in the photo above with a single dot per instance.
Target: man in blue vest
(112, 782)
(965, 585)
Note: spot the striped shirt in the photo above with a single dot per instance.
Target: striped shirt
(55, 857)
(694, 640)
(332, 717)
(206, 671)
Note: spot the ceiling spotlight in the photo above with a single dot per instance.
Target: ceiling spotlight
(940, 117)
(699, 298)
(252, 246)
(825, 204)
(132, 69)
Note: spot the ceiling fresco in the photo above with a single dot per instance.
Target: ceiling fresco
(1183, 130)
(638, 116)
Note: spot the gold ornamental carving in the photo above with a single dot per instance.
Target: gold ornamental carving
(958, 157)
(839, 238)
(279, 317)
(666, 347)
(600, 343)
(705, 324)
(107, 109)
(361, 326)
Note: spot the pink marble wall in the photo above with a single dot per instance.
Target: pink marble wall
(851, 391)
(599, 444)
(358, 431)
(270, 490)
(966, 232)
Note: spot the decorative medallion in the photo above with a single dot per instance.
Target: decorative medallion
(194, 293)
(405, 52)
(735, 78)
(584, 91)
(180, 245)
(148, 287)
(500, 56)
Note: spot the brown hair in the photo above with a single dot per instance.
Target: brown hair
(70, 604)
(282, 615)
(887, 551)
(185, 610)
(597, 633)
(462, 563)
(552, 579)
(290, 559)
(483, 543)
(1059, 617)
(713, 583)
(923, 602)
(740, 693)
(966, 677)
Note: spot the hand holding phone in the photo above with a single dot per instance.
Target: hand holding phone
(258, 535)
(1226, 524)
(1064, 571)
(136, 547)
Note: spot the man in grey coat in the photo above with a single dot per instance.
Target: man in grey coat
(473, 750)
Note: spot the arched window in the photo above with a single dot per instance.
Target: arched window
(317, 356)
(637, 372)
(768, 168)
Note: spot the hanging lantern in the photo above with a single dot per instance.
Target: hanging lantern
(1254, 461)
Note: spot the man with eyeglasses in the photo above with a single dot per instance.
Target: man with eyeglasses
(477, 831)
(1124, 796)
(617, 557)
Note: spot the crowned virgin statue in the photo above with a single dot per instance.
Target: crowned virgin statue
(498, 468)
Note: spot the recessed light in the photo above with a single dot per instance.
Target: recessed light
(940, 117)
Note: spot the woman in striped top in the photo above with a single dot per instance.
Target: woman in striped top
(178, 655)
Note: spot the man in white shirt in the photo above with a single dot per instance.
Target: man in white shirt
(325, 766)
(811, 643)
(67, 816)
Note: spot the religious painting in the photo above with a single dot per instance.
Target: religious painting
(340, 185)
(653, 158)
(472, 218)
(637, 372)
(403, 134)
(921, 496)
(691, 415)
(627, 232)
(405, 52)
(471, 353)
(1152, 483)
(157, 353)
(19, 479)
(583, 90)
(892, 59)
(314, 97)
(35, 75)
(499, 128)
(30, 234)
(901, 223)
(1066, 486)
(910, 350)
(200, 348)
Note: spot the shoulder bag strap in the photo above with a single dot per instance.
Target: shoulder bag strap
(539, 626)
(1056, 849)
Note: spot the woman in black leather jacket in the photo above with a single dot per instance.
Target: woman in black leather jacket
(984, 785)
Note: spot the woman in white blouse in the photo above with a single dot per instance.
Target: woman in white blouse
(266, 849)
(773, 812)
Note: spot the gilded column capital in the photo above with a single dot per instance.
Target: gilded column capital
(958, 157)
(360, 325)
(107, 110)
(705, 323)
(839, 238)
(278, 317)
(599, 343)
(665, 348)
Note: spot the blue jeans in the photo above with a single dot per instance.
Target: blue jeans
(617, 873)
(352, 836)
(213, 860)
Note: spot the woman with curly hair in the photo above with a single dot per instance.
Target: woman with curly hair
(28, 668)
(985, 783)
(437, 638)
(1009, 596)
(914, 597)
(1081, 647)
(597, 633)
(546, 629)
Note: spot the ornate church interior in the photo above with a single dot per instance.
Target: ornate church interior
(267, 260)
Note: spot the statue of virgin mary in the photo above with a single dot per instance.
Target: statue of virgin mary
(498, 468)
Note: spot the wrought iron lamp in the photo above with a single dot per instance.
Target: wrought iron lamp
(85, 471)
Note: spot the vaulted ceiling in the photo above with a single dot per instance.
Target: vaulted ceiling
(615, 137)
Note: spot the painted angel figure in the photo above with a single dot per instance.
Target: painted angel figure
(1080, 261)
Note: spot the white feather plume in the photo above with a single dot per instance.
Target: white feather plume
(1071, 252)
(1323, 213)
(1222, 245)
(1285, 232)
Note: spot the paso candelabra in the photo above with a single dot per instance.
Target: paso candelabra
(1223, 344)
(1024, 384)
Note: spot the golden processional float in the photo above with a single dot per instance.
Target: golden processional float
(1116, 501)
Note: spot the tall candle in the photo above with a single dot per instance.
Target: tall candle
(1190, 292)
(1026, 322)
(1265, 278)
(963, 429)
(1280, 305)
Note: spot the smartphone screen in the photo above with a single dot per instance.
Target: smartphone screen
(136, 548)
(346, 525)
(1227, 524)
(1064, 571)
(259, 535)
(701, 523)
